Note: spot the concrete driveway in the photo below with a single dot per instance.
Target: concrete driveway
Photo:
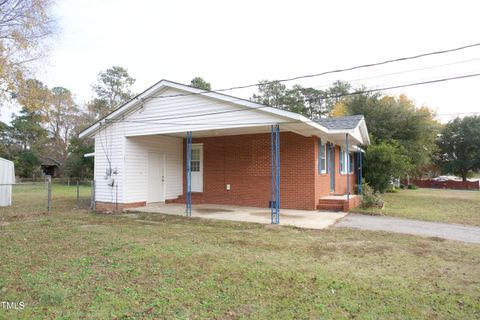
(416, 227)
(298, 218)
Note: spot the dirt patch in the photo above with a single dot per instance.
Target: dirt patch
(212, 210)
(86, 226)
(148, 221)
(130, 215)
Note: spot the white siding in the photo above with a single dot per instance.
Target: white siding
(136, 164)
(143, 126)
(109, 145)
(180, 114)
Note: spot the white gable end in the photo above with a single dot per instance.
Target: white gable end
(162, 114)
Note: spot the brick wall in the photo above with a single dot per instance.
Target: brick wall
(244, 162)
(322, 181)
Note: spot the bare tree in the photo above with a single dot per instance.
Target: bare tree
(24, 25)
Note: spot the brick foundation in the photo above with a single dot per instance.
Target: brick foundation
(108, 206)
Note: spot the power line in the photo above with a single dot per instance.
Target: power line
(369, 65)
(322, 97)
(403, 72)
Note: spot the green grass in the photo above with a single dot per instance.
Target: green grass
(74, 264)
(450, 206)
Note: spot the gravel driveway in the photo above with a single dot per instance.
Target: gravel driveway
(416, 227)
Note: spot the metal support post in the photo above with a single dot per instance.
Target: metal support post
(275, 174)
(188, 164)
(359, 163)
(78, 194)
(347, 165)
(49, 195)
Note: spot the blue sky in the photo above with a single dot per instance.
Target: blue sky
(233, 43)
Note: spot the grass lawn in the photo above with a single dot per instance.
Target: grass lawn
(450, 206)
(74, 264)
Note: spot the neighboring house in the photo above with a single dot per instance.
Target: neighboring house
(50, 167)
(140, 155)
(7, 179)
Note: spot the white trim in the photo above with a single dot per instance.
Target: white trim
(89, 155)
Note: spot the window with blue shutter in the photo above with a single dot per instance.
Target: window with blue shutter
(322, 157)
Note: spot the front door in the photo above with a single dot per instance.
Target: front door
(156, 177)
(197, 167)
(332, 167)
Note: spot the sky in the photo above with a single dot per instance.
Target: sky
(232, 43)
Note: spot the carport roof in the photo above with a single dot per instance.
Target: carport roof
(340, 123)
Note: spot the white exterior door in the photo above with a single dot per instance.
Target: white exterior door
(156, 177)
(197, 167)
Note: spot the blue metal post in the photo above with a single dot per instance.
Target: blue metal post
(188, 191)
(272, 171)
(275, 174)
(347, 165)
(360, 165)
(277, 167)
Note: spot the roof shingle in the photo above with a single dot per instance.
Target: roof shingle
(340, 123)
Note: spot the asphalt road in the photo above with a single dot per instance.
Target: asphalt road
(416, 227)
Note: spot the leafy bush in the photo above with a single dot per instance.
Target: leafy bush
(371, 198)
(392, 190)
(402, 186)
(412, 187)
(382, 162)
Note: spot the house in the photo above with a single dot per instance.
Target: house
(50, 166)
(7, 179)
(239, 153)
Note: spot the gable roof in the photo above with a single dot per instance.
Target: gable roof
(291, 121)
(340, 123)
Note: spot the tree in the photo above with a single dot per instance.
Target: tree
(112, 90)
(60, 118)
(459, 141)
(310, 102)
(26, 164)
(27, 133)
(398, 120)
(24, 25)
(200, 83)
(383, 162)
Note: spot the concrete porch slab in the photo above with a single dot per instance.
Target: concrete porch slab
(298, 218)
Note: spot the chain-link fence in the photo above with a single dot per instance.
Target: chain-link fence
(31, 196)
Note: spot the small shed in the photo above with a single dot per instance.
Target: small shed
(7, 179)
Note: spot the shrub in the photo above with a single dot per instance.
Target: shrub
(371, 198)
(392, 190)
(402, 186)
(382, 162)
(412, 187)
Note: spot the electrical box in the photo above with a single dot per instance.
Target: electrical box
(227, 186)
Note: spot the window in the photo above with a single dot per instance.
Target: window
(346, 161)
(195, 162)
(322, 157)
(351, 162)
